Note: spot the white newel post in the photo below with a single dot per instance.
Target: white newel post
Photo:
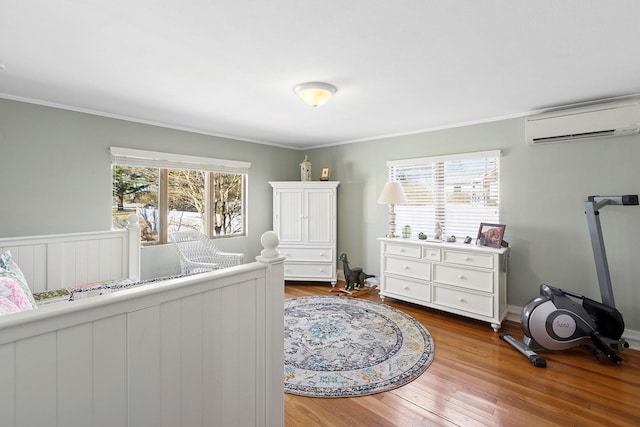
(133, 227)
(274, 353)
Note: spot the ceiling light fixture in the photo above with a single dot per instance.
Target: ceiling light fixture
(315, 93)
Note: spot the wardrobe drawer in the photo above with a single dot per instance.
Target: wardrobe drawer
(467, 301)
(412, 251)
(408, 288)
(302, 270)
(306, 254)
(481, 280)
(408, 267)
(468, 258)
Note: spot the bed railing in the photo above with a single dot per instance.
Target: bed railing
(64, 260)
(204, 350)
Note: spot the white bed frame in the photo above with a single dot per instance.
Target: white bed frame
(66, 260)
(204, 350)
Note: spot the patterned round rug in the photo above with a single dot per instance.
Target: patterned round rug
(342, 347)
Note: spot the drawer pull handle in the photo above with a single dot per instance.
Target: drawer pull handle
(406, 267)
(468, 258)
(461, 299)
(406, 288)
(461, 277)
(401, 249)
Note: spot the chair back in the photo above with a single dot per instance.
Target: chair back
(199, 254)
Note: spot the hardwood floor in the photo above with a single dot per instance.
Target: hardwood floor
(477, 379)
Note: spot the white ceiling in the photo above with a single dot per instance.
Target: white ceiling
(228, 67)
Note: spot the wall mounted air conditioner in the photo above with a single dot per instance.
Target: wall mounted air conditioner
(606, 119)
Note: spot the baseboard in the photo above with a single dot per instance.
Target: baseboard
(631, 336)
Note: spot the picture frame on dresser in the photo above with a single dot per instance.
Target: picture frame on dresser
(490, 235)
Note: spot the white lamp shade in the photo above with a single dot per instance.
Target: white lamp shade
(392, 194)
(315, 93)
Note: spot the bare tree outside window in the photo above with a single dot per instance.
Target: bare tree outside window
(228, 206)
(210, 202)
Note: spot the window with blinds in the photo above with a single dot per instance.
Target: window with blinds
(459, 191)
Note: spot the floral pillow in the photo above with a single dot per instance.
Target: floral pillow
(7, 307)
(9, 268)
(11, 289)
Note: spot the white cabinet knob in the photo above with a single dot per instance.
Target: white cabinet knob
(468, 258)
(406, 288)
(461, 277)
(460, 299)
(406, 267)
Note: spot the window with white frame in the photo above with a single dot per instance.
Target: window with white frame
(459, 191)
(172, 192)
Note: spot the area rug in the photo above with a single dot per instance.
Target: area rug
(344, 347)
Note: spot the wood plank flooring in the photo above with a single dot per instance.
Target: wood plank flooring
(476, 379)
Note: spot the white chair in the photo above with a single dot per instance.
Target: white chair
(198, 254)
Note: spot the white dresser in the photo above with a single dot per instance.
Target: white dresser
(304, 217)
(454, 277)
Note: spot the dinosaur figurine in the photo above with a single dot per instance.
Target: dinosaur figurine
(354, 277)
(350, 275)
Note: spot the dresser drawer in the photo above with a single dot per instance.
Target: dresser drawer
(302, 270)
(431, 254)
(306, 254)
(407, 288)
(412, 251)
(468, 258)
(408, 267)
(481, 280)
(470, 302)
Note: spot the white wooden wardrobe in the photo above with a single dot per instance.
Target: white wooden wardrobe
(304, 217)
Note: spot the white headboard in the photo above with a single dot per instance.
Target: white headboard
(64, 260)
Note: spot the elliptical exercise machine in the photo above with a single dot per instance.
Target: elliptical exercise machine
(555, 321)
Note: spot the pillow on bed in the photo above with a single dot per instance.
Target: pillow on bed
(11, 289)
(7, 307)
(9, 268)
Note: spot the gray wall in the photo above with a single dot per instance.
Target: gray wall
(55, 170)
(543, 189)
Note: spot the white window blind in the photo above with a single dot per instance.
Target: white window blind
(460, 191)
(154, 159)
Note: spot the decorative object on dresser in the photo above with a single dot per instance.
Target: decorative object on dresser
(490, 235)
(467, 280)
(304, 217)
(437, 232)
(392, 194)
(344, 347)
